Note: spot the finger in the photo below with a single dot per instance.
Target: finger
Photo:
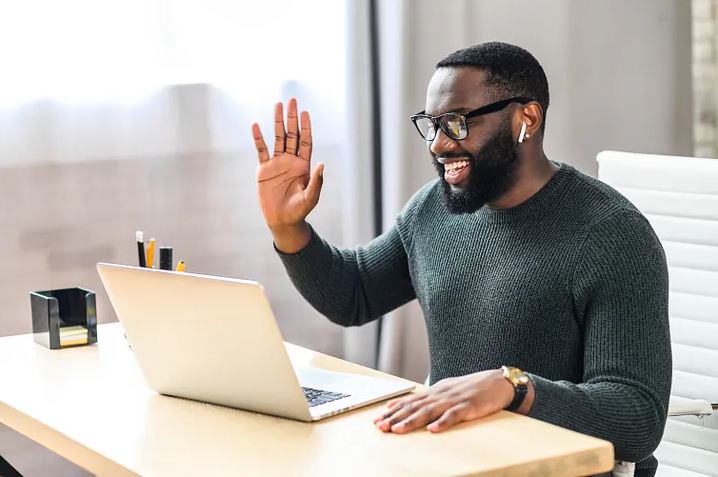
(305, 137)
(279, 134)
(292, 127)
(314, 188)
(393, 405)
(393, 402)
(402, 411)
(262, 151)
(421, 417)
(450, 417)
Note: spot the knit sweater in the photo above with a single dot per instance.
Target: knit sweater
(571, 286)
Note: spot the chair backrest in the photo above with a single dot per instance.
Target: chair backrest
(679, 196)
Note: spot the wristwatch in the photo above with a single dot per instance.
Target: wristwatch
(520, 381)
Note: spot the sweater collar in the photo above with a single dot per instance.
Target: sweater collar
(534, 205)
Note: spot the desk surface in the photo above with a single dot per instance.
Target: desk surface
(91, 405)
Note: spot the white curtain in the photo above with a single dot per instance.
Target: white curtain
(145, 106)
(110, 79)
(360, 343)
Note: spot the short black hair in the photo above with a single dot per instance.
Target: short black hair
(512, 71)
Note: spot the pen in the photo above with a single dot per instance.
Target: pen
(180, 266)
(165, 258)
(151, 253)
(139, 236)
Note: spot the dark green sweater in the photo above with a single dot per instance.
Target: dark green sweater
(570, 286)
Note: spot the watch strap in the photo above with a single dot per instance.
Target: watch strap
(520, 392)
(519, 381)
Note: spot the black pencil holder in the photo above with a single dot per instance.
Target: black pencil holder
(64, 318)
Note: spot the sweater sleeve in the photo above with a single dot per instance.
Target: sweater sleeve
(620, 291)
(353, 287)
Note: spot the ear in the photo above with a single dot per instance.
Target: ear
(531, 115)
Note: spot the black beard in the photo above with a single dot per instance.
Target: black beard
(490, 177)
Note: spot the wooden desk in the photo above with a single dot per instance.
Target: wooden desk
(91, 405)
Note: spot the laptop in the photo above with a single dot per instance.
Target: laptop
(215, 340)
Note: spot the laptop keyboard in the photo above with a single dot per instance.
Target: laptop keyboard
(315, 397)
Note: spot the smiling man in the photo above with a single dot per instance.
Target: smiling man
(544, 290)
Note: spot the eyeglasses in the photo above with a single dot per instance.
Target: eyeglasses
(454, 124)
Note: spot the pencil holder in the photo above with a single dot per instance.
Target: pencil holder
(64, 318)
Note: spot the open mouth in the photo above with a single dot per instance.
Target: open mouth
(456, 172)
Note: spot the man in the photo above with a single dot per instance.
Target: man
(517, 261)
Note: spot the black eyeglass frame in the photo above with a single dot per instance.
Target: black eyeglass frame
(438, 123)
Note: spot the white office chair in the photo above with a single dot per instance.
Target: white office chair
(679, 196)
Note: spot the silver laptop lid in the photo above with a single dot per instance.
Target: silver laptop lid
(206, 338)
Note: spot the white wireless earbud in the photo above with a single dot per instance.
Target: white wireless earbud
(522, 134)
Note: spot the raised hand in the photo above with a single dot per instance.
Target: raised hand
(287, 191)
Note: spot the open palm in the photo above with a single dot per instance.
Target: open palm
(287, 191)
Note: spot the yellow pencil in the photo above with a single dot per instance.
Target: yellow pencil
(180, 266)
(150, 253)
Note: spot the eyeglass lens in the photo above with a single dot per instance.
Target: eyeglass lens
(453, 125)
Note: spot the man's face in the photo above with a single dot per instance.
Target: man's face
(482, 167)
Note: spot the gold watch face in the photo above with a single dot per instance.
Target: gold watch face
(515, 376)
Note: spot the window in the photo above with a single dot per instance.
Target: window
(135, 114)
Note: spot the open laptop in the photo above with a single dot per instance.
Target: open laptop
(215, 340)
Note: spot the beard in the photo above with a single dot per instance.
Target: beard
(490, 177)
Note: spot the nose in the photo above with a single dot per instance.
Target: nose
(442, 144)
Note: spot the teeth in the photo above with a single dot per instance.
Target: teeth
(455, 165)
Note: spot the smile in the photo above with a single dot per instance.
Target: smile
(452, 166)
(456, 173)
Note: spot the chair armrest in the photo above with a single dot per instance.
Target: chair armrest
(679, 406)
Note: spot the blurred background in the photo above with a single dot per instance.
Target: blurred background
(117, 116)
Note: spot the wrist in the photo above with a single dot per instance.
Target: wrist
(291, 238)
(526, 406)
(505, 390)
(288, 228)
(521, 390)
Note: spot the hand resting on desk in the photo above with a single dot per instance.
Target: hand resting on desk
(450, 402)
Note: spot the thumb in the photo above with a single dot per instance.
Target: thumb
(311, 193)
